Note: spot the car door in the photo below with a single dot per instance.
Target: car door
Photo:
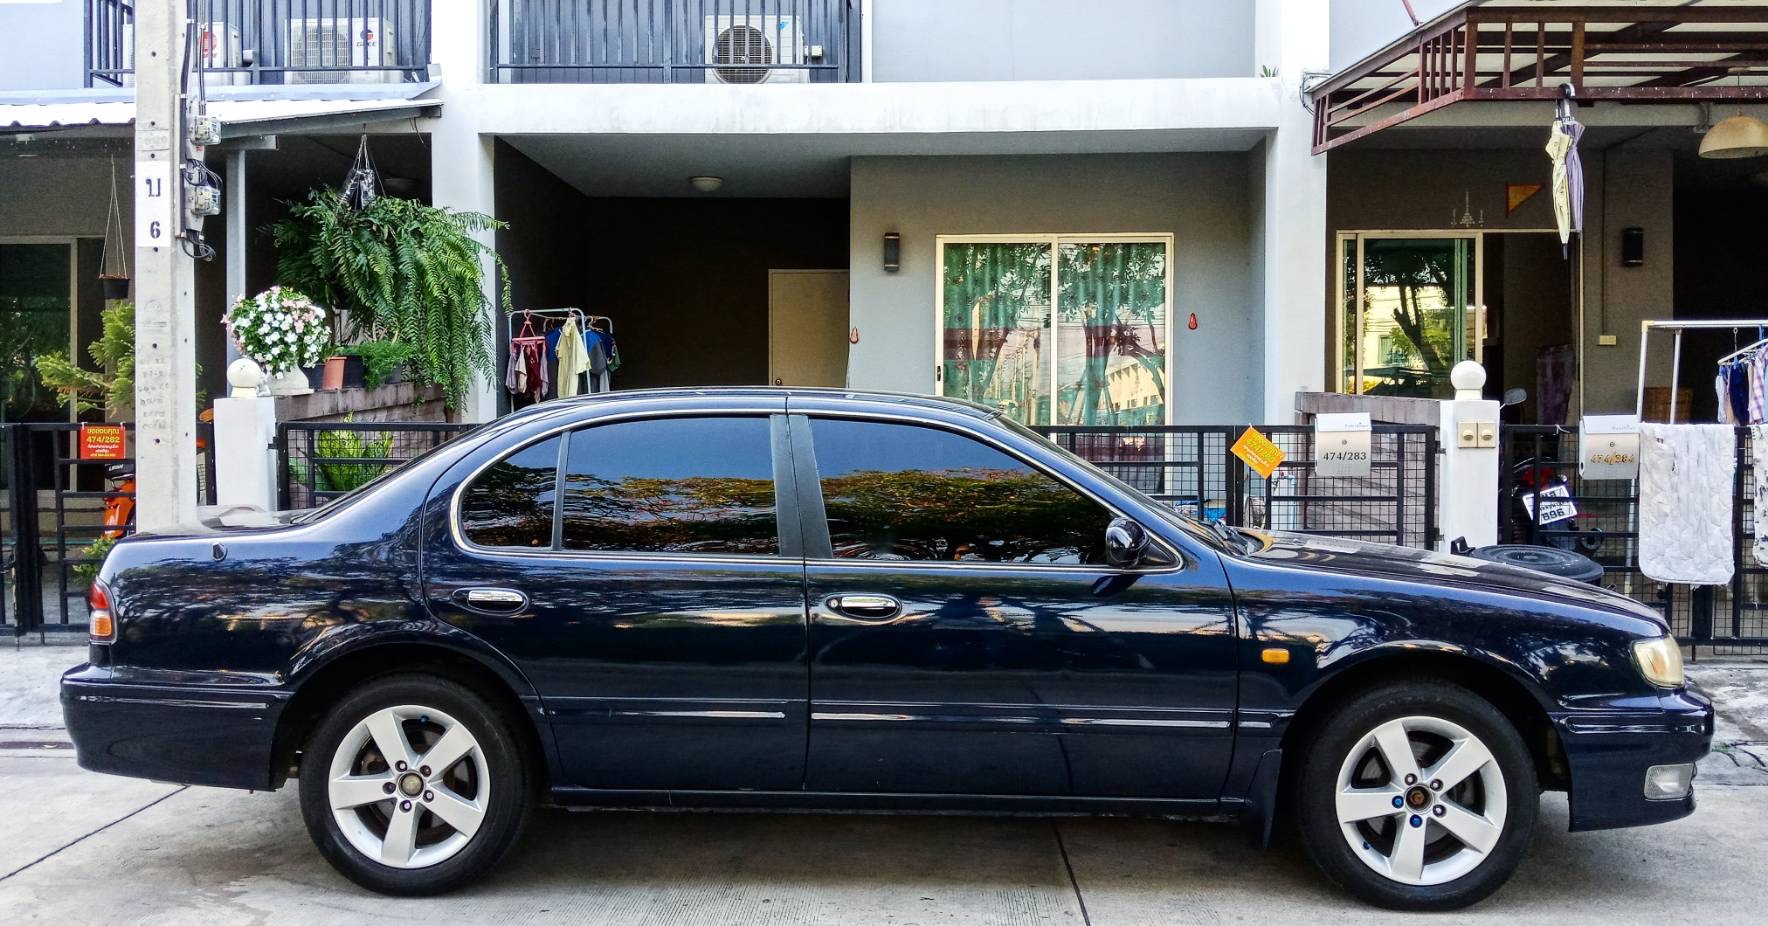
(965, 638)
(636, 572)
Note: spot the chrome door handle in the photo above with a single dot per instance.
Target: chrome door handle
(864, 607)
(494, 600)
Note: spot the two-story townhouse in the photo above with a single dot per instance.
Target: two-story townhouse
(1015, 201)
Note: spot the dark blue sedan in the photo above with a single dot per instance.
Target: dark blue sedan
(814, 599)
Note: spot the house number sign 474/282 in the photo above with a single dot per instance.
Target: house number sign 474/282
(154, 196)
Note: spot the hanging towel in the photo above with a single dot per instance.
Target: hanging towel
(1687, 473)
(515, 377)
(573, 359)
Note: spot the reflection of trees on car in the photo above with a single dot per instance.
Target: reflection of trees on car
(992, 515)
(706, 514)
(510, 506)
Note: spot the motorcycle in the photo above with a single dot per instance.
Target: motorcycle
(1542, 510)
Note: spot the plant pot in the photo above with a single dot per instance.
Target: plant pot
(114, 287)
(291, 382)
(333, 378)
(315, 375)
(398, 374)
(353, 378)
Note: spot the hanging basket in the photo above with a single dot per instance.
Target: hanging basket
(114, 287)
(113, 259)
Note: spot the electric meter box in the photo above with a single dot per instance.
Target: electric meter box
(1341, 445)
(1608, 447)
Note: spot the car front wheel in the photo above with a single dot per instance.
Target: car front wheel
(1417, 796)
(413, 785)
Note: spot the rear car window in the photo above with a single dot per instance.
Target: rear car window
(510, 503)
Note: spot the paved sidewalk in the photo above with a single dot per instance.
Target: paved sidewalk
(30, 676)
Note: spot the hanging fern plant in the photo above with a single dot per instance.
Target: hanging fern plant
(400, 271)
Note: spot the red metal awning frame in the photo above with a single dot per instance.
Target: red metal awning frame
(1643, 54)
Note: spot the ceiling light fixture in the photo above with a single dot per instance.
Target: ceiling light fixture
(706, 184)
(1739, 136)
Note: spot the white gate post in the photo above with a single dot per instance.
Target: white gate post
(1467, 484)
(245, 429)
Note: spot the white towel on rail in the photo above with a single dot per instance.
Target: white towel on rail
(1687, 474)
(1759, 454)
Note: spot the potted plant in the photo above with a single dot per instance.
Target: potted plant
(282, 330)
(400, 271)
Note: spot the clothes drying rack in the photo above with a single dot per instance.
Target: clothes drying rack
(1649, 325)
(525, 318)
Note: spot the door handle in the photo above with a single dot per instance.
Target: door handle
(864, 607)
(492, 600)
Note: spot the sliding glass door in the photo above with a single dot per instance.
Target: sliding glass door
(1408, 310)
(1097, 356)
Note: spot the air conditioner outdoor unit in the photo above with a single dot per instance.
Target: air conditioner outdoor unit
(740, 48)
(319, 50)
(219, 44)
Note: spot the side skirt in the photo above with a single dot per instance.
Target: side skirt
(865, 802)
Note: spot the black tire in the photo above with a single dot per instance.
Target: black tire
(1316, 785)
(508, 767)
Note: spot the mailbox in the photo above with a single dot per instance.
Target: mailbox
(1341, 445)
(1608, 447)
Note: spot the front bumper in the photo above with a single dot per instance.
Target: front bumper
(187, 734)
(1609, 750)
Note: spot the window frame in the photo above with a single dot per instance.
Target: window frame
(814, 522)
(786, 516)
(1055, 242)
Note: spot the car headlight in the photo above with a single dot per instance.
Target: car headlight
(1660, 660)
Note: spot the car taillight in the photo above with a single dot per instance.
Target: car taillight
(101, 628)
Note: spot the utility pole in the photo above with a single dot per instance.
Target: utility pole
(165, 278)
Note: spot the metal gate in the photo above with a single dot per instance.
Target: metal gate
(317, 461)
(1192, 469)
(1732, 618)
(52, 530)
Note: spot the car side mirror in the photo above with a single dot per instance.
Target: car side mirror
(1125, 543)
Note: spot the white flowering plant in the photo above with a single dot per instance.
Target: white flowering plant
(280, 329)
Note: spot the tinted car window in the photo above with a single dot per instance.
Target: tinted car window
(905, 492)
(671, 485)
(510, 503)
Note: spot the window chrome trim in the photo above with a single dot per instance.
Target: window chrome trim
(458, 535)
(1179, 564)
(1179, 561)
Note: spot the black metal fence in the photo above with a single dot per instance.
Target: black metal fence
(674, 41)
(319, 461)
(276, 41)
(1731, 618)
(1193, 469)
(61, 514)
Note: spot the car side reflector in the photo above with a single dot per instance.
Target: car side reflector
(1274, 655)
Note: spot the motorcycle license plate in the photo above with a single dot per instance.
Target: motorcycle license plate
(1555, 503)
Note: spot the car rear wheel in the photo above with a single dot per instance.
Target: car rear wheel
(414, 785)
(1417, 796)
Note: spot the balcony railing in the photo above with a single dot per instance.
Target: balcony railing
(674, 41)
(242, 42)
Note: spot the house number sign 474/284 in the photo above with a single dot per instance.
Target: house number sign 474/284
(154, 196)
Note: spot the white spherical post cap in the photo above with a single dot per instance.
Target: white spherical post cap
(244, 375)
(1468, 376)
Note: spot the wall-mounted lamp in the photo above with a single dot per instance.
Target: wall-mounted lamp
(892, 252)
(1633, 246)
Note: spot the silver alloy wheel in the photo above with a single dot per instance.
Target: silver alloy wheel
(1421, 800)
(409, 786)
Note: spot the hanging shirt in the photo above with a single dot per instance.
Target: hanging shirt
(1758, 379)
(572, 357)
(515, 374)
(1722, 389)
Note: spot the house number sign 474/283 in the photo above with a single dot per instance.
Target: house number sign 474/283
(154, 196)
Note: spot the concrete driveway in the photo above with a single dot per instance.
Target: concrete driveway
(76, 847)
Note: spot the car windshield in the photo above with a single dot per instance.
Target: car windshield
(1214, 534)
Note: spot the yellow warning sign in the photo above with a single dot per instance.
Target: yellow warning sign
(1258, 452)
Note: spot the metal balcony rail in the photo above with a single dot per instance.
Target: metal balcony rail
(674, 41)
(251, 42)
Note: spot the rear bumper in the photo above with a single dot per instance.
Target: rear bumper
(1609, 751)
(186, 734)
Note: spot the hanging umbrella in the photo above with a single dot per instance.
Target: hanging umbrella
(1568, 168)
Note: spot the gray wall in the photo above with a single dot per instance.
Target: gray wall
(1202, 199)
(1362, 26)
(1060, 39)
(1372, 189)
(40, 45)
